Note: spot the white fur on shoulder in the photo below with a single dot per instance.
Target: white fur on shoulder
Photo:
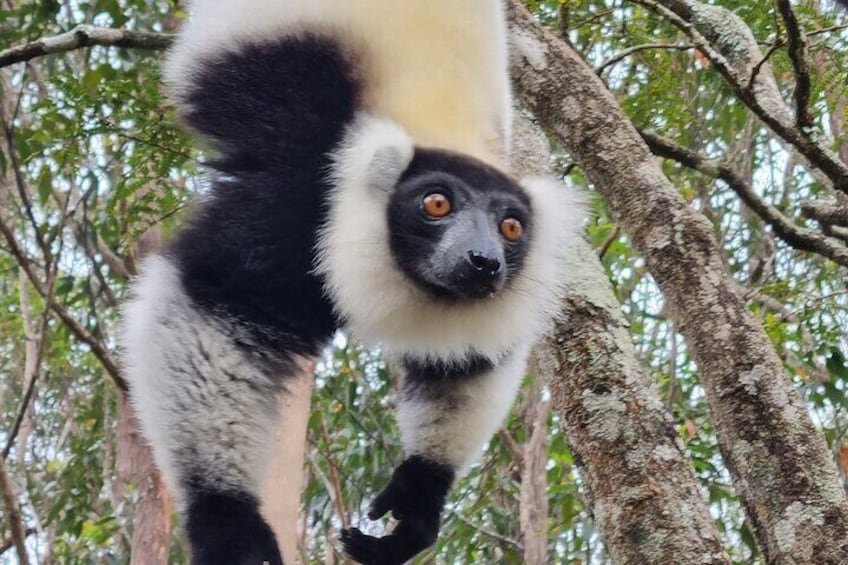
(437, 67)
(381, 304)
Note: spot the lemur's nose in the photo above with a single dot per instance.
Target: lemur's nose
(484, 264)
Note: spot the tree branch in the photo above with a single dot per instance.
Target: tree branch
(635, 49)
(800, 238)
(798, 55)
(490, 533)
(611, 411)
(77, 329)
(8, 543)
(826, 213)
(778, 460)
(85, 35)
(732, 49)
(13, 513)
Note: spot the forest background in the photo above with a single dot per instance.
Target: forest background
(692, 407)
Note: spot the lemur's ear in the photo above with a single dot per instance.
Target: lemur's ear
(374, 154)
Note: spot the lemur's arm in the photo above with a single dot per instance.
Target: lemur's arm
(446, 413)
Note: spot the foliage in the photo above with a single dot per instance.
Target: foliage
(101, 161)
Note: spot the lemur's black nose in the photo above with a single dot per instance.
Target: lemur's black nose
(484, 264)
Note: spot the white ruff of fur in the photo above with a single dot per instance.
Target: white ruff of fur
(418, 54)
(382, 305)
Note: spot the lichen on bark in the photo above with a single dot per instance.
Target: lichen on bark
(644, 494)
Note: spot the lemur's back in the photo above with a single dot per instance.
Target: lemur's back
(273, 112)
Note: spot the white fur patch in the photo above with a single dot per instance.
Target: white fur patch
(380, 303)
(204, 408)
(437, 67)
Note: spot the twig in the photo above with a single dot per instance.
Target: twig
(338, 497)
(8, 543)
(768, 107)
(80, 332)
(21, 184)
(629, 51)
(85, 35)
(798, 55)
(820, 31)
(512, 446)
(490, 533)
(800, 238)
(609, 241)
(779, 42)
(52, 270)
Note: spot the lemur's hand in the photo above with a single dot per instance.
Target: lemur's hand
(415, 496)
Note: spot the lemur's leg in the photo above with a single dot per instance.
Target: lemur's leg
(447, 413)
(206, 400)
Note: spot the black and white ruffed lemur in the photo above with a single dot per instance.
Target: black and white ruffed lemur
(355, 182)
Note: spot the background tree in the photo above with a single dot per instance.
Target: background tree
(729, 265)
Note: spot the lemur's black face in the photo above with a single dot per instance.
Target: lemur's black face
(458, 227)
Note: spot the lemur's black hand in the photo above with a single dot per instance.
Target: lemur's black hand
(415, 496)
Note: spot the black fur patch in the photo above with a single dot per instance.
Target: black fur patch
(429, 378)
(227, 529)
(274, 111)
(415, 495)
(433, 252)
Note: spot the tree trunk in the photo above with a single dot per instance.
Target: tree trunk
(151, 539)
(12, 513)
(778, 460)
(645, 497)
(533, 501)
(284, 478)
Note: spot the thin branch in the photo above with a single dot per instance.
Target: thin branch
(629, 51)
(52, 271)
(800, 238)
(820, 31)
(85, 36)
(609, 241)
(512, 446)
(338, 492)
(79, 331)
(698, 21)
(8, 543)
(490, 533)
(827, 214)
(21, 183)
(779, 42)
(798, 55)
(13, 513)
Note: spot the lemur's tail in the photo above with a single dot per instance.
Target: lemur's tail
(266, 104)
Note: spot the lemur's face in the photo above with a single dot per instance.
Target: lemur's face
(458, 228)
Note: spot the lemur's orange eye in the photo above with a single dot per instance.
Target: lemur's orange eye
(437, 205)
(511, 229)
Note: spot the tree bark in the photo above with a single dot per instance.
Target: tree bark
(13, 517)
(777, 458)
(645, 497)
(533, 502)
(284, 478)
(151, 539)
